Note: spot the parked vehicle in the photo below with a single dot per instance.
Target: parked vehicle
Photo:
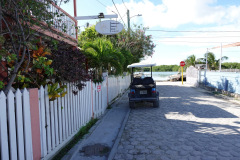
(142, 89)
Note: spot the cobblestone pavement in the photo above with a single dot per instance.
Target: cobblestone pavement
(190, 124)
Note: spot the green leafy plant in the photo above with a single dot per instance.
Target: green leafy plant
(1, 85)
(54, 91)
(17, 34)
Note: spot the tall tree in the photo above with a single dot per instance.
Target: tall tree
(212, 62)
(191, 60)
(136, 41)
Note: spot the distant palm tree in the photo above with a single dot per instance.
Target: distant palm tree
(212, 62)
(222, 59)
(191, 60)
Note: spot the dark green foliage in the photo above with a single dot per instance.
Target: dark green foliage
(84, 130)
(166, 68)
(230, 65)
(127, 48)
(69, 64)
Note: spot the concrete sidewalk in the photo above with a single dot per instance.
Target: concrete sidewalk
(98, 144)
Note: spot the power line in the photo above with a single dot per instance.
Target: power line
(199, 37)
(118, 13)
(193, 42)
(124, 5)
(106, 6)
(188, 31)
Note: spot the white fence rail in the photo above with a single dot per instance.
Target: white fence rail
(15, 126)
(60, 119)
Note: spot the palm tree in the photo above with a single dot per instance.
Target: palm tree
(191, 60)
(222, 59)
(212, 62)
(101, 55)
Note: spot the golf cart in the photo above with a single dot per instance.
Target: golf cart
(142, 89)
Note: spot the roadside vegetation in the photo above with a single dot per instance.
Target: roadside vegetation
(213, 62)
(163, 68)
(29, 61)
(114, 53)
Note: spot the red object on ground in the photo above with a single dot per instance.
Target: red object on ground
(182, 63)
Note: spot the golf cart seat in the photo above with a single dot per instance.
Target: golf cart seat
(147, 81)
(137, 81)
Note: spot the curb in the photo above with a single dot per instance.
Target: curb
(116, 143)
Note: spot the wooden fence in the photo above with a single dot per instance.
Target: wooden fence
(15, 126)
(59, 120)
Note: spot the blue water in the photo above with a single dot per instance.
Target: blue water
(159, 76)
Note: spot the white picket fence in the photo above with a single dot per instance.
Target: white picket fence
(60, 119)
(15, 126)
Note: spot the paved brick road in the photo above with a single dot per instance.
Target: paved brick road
(190, 124)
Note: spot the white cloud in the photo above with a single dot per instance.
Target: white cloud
(173, 13)
(207, 15)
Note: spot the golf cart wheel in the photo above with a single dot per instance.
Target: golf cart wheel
(156, 104)
(132, 104)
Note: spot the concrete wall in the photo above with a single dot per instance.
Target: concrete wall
(226, 81)
(192, 76)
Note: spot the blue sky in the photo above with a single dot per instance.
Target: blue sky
(171, 18)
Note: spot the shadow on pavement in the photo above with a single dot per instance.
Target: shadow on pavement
(186, 100)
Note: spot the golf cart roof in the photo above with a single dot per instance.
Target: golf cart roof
(141, 65)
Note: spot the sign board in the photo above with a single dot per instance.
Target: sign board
(109, 27)
(182, 63)
(98, 88)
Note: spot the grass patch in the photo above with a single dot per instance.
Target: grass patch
(109, 107)
(216, 93)
(84, 130)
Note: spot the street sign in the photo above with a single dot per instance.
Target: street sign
(182, 63)
(98, 88)
(109, 27)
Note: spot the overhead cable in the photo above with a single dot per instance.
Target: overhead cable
(188, 31)
(191, 42)
(106, 6)
(124, 5)
(118, 13)
(198, 37)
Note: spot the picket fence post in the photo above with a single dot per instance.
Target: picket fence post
(42, 122)
(3, 128)
(27, 124)
(48, 124)
(19, 118)
(12, 125)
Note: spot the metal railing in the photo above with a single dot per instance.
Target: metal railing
(62, 21)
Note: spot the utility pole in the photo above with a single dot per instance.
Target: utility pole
(220, 65)
(206, 58)
(128, 18)
(205, 73)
